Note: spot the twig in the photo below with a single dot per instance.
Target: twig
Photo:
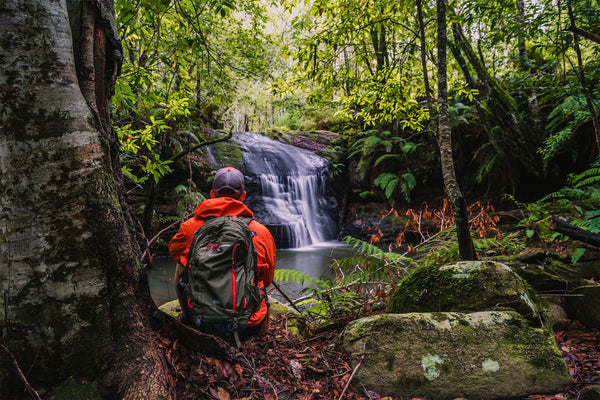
(286, 296)
(28, 387)
(352, 375)
(151, 241)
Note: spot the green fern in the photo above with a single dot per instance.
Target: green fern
(387, 182)
(588, 177)
(565, 193)
(298, 277)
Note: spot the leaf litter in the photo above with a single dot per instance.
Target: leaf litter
(281, 366)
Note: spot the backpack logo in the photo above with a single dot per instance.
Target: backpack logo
(222, 269)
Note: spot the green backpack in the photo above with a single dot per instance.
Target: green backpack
(221, 293)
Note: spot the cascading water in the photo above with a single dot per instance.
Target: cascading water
(286, 190)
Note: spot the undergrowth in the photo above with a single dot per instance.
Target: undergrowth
(362, 284)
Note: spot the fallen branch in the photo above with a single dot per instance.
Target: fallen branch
(20, 374)
(286, 296)
(147, 253)
(562, 226)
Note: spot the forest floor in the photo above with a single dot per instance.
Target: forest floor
(283, 366)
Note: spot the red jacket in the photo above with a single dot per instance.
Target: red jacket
(263, 240)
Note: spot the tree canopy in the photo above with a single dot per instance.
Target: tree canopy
(522, 84)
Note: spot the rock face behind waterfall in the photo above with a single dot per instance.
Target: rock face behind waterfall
(286, 185)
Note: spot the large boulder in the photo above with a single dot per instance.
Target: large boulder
(492, 355)
(467, 286)
(583, 304)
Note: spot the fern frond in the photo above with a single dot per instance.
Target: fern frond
(386, 157)
(588, 177)
(365, 248)
(291, 275)
(565, 193)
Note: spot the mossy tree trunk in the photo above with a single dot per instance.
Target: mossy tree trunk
(461, 217)
(74, 301)
(514, 137)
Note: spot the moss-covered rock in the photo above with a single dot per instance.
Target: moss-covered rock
(583, 304)
(294, 324)
(489, 355)
(228, 153)
(467, 286)
(171, 308)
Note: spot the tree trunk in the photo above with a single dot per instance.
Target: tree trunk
(74, 301)
(513, 139)
(523, 59)
(587, 92)
(422, 43)
(461, 217)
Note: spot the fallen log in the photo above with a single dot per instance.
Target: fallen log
(561, 225)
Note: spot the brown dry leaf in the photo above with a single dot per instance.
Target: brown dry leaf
(220, 393)
(296, 369)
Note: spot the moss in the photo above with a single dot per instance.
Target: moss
(537, 347)
(390, 359)
(465, 287)
(228, 153)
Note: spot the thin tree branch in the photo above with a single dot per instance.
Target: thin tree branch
(20, 374)
(182, 153)
(588, 35)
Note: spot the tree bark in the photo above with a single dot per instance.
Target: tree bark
(422, 42)
(74, 301)
(523, 59)
(461, 217)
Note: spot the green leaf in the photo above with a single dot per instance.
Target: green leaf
(577, 254)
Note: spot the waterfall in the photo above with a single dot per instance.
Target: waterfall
(286, 188)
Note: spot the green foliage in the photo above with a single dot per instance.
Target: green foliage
(182, 63)
(389, 182)
(580, 187)
(382, 152)
(358, 280)
(564, 121)
(188, 199)
(298, 277)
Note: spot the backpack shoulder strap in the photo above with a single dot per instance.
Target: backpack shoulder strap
(247, 220)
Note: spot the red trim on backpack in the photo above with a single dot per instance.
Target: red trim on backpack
(233, 289)
(189, 303)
